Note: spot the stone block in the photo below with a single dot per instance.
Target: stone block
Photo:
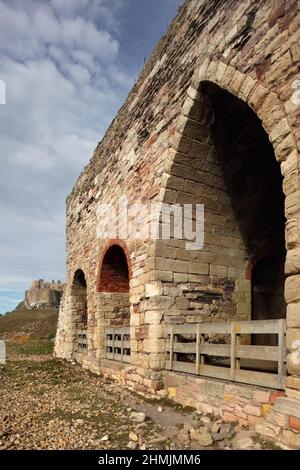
(134, 319)
(260, 396)
(292, 393)
(153, 317)
(157, 361)
(278, 419)
(180, 277)
(293, 315)
(182, 303)
(154, 289)
(293, 339)
(218, 271)
(267, 429)
(246, 88)
(292, 205)
(198, 268)
(156, 331)
(159, 302)
(290, 439)
(279, 133)
(164, 276)
(293, 382)
(287, 406)
(173, 265)
(292, 233)
(293, 363)
(154, 345)
(292, 289)
(229, 417)
(294, 423)
(275, 395)
(291, 162)
(291, 182)
(253, 410)
(282, 152)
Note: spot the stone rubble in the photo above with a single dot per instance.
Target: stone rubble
(50, 404)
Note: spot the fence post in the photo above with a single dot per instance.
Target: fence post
(198, 349)
(281, 352)
(171, 348)
(232, 351)
(122, 341)
(113, 341)
(237, 342)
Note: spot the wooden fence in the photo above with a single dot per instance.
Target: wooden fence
(118, 344)
(82, 341)
(189, 351)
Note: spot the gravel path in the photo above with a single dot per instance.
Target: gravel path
(51, 404)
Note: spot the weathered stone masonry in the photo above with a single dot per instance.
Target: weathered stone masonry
(212, 120)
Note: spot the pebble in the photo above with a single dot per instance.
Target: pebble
(133, 437)
(138, 417)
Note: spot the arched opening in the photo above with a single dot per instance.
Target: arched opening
(224, 160)
(253, 182)
(113, 309)
(80, 311)
(113, 285)
(114, 274)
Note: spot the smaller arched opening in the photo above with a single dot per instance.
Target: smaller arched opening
(113, 301)
(114, 273)
(80, 310)
(113, 285)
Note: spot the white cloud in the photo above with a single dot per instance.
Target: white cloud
(64, 86)
(60, 60)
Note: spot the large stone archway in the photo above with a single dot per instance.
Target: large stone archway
(270, 111)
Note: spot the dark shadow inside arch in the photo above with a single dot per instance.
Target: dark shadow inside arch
(80, 311)
(254, 184)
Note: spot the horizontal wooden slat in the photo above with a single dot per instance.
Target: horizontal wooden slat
(221, 350)
(241, 327)
(258, 378)
(215, 328)
(187, 348)
(260, 353)
(215, 371)
(183, 329)
(187, 367)
(263, 353)
(257, 327)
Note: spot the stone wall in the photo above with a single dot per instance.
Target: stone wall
(163, 148)
(270, 413)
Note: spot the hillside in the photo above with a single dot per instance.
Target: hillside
(36, 324)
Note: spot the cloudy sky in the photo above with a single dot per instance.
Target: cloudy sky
(68, 65)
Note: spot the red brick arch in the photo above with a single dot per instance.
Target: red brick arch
(114, 271)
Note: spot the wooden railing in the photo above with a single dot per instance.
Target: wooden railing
(118, 344)
(82, 344)
(257, 365)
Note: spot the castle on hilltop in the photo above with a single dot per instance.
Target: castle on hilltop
(43, 294)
